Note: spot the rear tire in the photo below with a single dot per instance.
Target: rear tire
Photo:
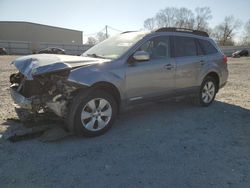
(207, 92)
(92, 113)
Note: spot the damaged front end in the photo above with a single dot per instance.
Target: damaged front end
(42, 83)
(46, 92)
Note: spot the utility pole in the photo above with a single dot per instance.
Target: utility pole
(106, 30)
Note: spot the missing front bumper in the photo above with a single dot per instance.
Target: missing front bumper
(58, 107)
(20, 100)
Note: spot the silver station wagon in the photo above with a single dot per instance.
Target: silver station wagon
(88, 91)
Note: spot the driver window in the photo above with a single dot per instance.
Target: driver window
(157, 47)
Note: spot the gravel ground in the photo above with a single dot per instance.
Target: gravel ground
(165, 144)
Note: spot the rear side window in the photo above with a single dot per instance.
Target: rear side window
(199, 49)
(207, 47)
(184, 46)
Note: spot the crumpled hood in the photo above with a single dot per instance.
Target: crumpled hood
(32, 65)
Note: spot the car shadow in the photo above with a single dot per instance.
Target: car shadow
(167, 116)
(165, 144)
(157, 118)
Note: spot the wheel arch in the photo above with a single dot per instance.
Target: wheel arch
(85, 92)
(109, 88)
(214, 75)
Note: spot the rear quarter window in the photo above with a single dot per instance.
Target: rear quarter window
(207, 47)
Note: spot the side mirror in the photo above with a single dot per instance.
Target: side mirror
(141, 56)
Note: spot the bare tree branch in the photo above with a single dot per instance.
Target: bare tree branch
(180, 17)
(225, 31)
(149, 24)
(246, 34)
(203, 15)
(92, 41)
(101, 36)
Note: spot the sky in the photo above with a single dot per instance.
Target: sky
(91, 16)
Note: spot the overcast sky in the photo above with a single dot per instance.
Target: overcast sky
(90, 16)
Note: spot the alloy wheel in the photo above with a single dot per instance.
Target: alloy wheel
(96, 114)
(208, 92)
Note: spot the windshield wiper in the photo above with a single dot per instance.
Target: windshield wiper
(96, 56)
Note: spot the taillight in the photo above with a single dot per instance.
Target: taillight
(224, 59)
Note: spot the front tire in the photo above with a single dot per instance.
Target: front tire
(92, 113)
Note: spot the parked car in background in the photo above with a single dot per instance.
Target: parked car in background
(240, 53)
(3, 51)
(52, 50)
(127, 69)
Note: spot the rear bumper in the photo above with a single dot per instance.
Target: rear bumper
(20, 100)
(224, 78)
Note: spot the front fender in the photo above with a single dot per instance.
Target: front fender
(88, 76)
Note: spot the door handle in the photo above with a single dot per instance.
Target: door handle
(168, 66)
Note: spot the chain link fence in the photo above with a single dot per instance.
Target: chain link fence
(228, 50)
(24, 48)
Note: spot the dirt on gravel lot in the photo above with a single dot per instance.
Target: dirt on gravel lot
(164, 144)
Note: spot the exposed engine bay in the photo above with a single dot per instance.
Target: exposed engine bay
(46, 92)
(46, 83)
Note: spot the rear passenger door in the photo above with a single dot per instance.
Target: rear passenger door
(188, 58)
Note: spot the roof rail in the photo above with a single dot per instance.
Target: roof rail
(127, 32)
(182, 30)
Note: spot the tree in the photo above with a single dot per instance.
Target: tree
(203, 15)
(180, 17)
(174, 17)
(166, 17)
(149, 24)
(247, 28)
(91, 41)
(101, 36)
(246, 34)
(225, 31)
(184, 18)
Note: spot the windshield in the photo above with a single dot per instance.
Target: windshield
(114, 47)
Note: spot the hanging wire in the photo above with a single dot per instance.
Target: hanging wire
(103, 30)
(114, 29)
(91, 34)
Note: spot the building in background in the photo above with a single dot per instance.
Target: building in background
(15, 36)
(32, 32)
